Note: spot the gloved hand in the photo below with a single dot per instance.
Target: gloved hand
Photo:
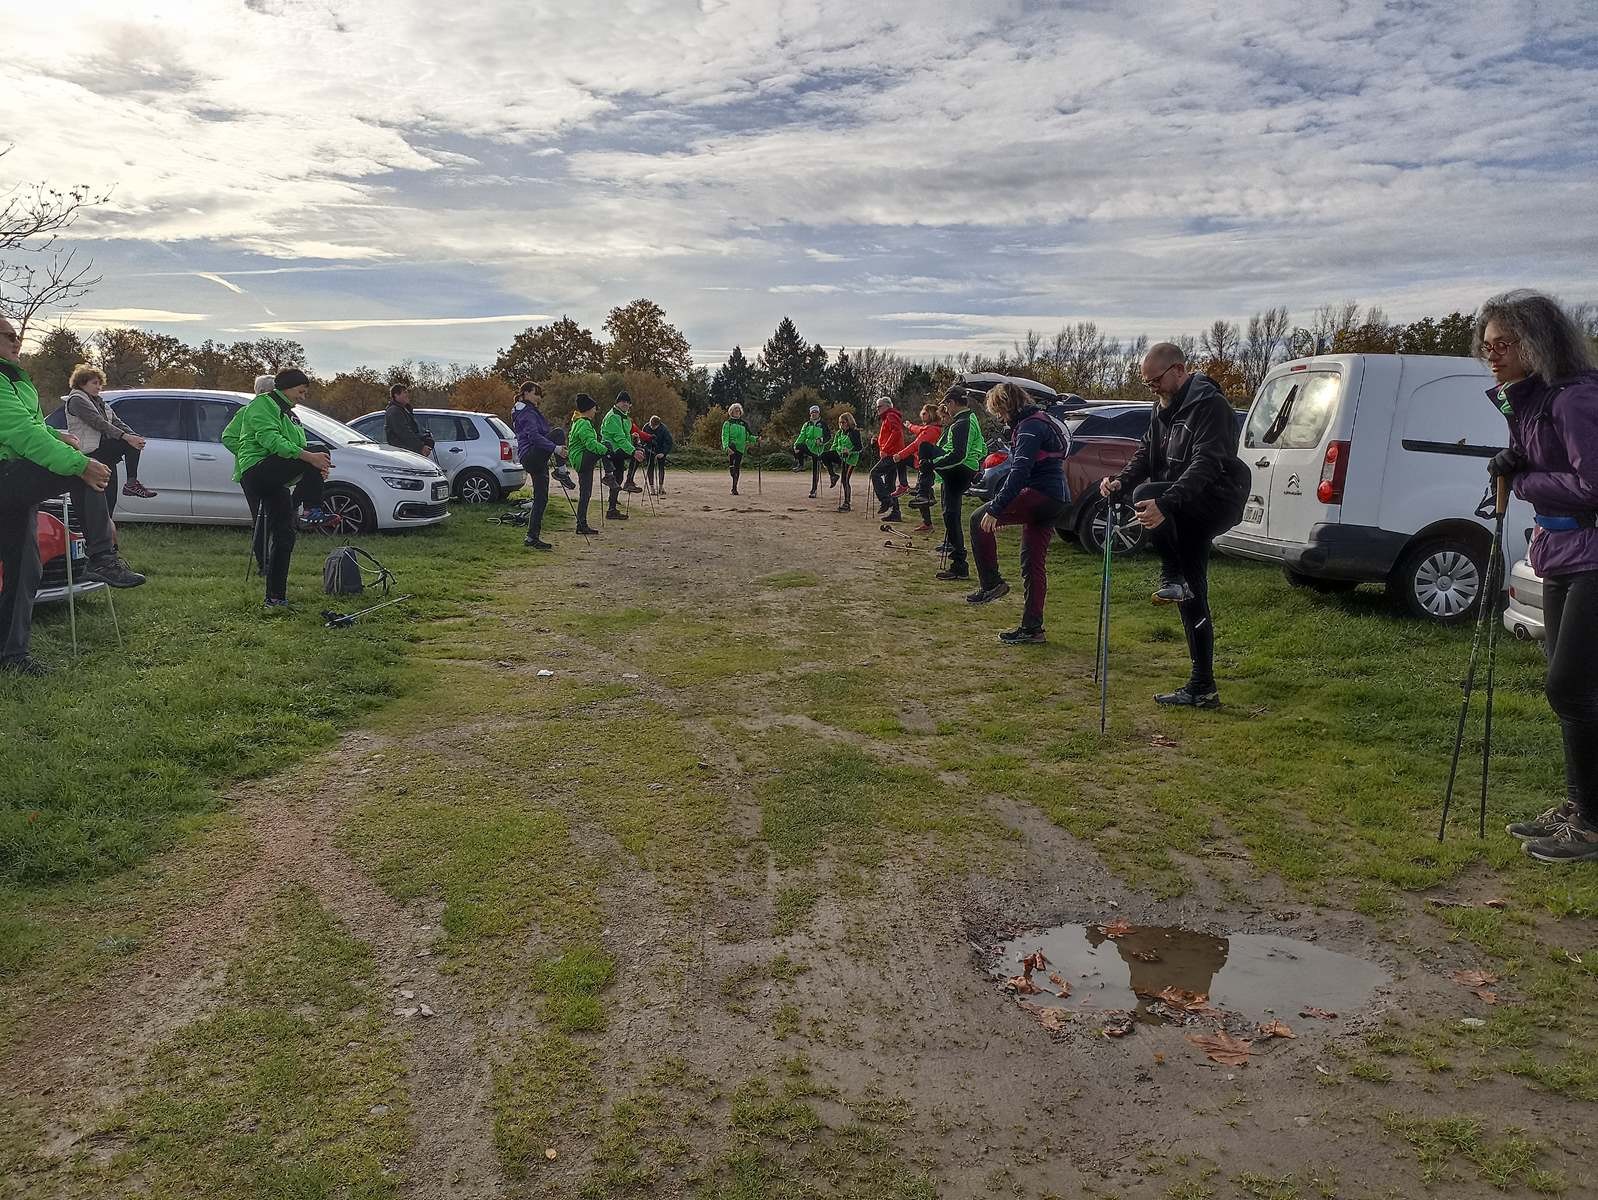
(1507, 463)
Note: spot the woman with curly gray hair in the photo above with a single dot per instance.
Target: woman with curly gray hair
(1548, 391)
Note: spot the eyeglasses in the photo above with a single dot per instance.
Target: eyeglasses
(1499, 347)
(1151, 384)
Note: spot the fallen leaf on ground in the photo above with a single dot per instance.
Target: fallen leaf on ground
(1033, 962)
(1222, 1048)
(1474, 979)
(1182, 998)
(1159, 1060)
(1320, 1014)
(1021, 985)
(1146, 955)
(1116, 928)
(1495, 903)
(1118, 1026)
(1481, 993)
(1053, 1019)
(1160, 740)
(1276, 1030)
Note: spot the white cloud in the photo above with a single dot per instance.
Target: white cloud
(343, 325)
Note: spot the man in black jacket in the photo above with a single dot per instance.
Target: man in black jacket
(1187, 486)
(399, 424)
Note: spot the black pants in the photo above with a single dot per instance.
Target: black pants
(111, 451)
(267, 484)
(815, 467)
(1570, 615)
(955, 482)
(585, 486)
(1183, 543)
(24, 486)
(536, 464)
(618, 460)
(655, 471)
(884, 476)
(632, 470)
(735, 466)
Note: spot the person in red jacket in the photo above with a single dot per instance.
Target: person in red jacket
(890, 440)
(920, 449)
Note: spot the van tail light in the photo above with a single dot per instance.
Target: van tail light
(505, 451)
(1334, 474)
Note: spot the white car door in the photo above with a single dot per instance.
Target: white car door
(451, 447)
(214, 494)
(164, 462)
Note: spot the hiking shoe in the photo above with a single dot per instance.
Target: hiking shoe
(901, 490)
(953, 573)
(588, 531)
(632, 487)
(615, 515)
(987, 595)
(1023, 636)
(1575, 842)
(942, 548)
(812, 495)
(24, 664)
(563, 477)
(134, 488)
(1543, 825)
(109, 570)
(1175, 591)
(895, 517)
(845, 508)
(834, 482)
(277, 604)
(886, 507)
(924, 527)
(1186, 697)
(533, 543)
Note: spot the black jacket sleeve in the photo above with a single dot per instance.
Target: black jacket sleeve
(1212, 440)
(400, 429)
(1138, 469)
(959, 438)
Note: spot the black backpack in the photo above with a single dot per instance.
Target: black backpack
(344, 575)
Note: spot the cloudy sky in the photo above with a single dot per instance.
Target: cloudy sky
(392, 178)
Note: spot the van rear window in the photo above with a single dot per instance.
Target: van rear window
(1293, 411)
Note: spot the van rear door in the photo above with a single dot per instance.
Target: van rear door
(1285, 444)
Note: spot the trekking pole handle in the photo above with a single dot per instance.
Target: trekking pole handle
(1501, 495)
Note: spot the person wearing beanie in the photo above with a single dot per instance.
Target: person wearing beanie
(534, 448)
(812, 444)
(584, 451)
(735, 440)
(616, 432)
(268, 445)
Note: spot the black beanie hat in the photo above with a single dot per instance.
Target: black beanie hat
(623, 398)
(293, 377)
(585, 402)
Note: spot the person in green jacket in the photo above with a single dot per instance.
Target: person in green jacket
(958, 460)
(812, 443)
(584, 451)
(844, 455)
(735, 440)
(268, 445)
(36, 464)
(616, 431)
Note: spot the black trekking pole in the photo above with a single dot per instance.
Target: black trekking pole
(1101, 666)
(334, 620)
(1487, 613)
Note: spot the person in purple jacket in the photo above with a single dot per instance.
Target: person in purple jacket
(1548, 391)
(535, 447)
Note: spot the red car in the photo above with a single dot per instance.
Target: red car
(53, 558)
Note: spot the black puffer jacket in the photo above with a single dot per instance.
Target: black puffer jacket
(400, 429)
(1192, 444)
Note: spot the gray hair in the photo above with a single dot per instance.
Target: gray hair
(264, 384)
(1551, 342)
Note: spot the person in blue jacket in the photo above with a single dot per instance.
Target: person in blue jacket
(534, 447)
(655, 451)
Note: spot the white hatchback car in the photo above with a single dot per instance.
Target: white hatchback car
(477, 450)
(371, 486)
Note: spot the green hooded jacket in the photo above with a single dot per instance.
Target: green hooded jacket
(262, 428)
(812, 438)
(973, 450)
(735, 435)
(616, 431)
(846, 445)
(23, 433)
(581, 439)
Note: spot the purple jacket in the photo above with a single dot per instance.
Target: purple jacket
(532, 430)
(1556, 428)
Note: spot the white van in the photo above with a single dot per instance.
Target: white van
(1368, 468)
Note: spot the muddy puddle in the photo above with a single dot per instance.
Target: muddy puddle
(1112, 967)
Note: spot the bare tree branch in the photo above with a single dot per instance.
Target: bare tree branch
(33, 217)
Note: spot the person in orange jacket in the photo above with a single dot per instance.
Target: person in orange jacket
(921, 448)
(885, 474)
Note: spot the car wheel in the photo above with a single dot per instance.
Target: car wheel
(1441, 580)
(477, 487)
(348, 510)
(1329, 586)
(1129, 535)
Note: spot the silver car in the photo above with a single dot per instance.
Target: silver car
(1524, 615)
(476, 450)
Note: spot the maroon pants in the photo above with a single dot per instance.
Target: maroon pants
(1036, 513)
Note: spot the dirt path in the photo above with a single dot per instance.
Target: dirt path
(879, 987)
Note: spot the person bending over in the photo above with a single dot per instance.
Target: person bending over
(535, 448)
(585, 452)
(1032, 496)
(735, 440)
(36, 464)
(656, 450)
(268, 445)
(1187, 486)
(1548, 392)
(844, 455)
(617, 433)
(960, 454)
(812, 444)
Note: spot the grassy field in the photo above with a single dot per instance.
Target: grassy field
(661, 887)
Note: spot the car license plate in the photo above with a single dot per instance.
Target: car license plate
(440, 490)
(1254, 514)
(79, 550)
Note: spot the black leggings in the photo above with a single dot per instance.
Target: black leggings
(955, 482)
(655, 470)
(585, 486)
(267, 483)
(1183, 543)
(815, 467)
(24, 485)
(735, 466)
(1570, 615)
(536, 464)
(618, 460)
(111, 451)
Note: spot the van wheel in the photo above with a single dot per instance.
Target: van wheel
(1129, 535)
(1441, 580)
(1330, 587)
(348, 510)
(477, 487)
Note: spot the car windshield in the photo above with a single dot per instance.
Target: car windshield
(1293, 411)
(334, 433)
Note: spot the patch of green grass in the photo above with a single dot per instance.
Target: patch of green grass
(545, 1097)
(569, 985)
(794, 905)
(1440, 1142)
(791, 579)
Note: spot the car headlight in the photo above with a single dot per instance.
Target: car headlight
(403, 483)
